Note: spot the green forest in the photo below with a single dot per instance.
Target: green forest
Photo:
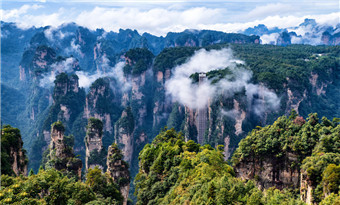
(175, 171)
(90, 118)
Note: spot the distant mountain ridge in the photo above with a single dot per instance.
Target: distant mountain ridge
(308, 32)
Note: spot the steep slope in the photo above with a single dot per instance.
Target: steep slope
(173, 171)
(308, 32)
(293, 153)
(61, 156)
(13, 157)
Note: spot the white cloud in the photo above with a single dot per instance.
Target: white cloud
(269, 38)
(271, 9)
(196, 96)
(73, 48)
(56, 68)
(159, 20)
(116, 72)
(17, 13)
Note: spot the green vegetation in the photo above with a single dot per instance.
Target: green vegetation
(139, 60)
(315, 144)
(60, 154)
(171, 57)
(176, 117)
(58, 126)
(173, 171)
(12, 151)
(104, 185)
(98, 158)
(94, 126)
(52, 187)
(127, 121)
(286, 135)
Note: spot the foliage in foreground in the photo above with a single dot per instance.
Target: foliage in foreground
(173, 171)
(316, 143)
(52, 187)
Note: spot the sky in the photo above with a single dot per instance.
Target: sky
(159, 17)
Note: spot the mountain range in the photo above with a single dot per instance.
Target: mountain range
(212, 86)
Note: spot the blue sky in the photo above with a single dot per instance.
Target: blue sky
(160, 17)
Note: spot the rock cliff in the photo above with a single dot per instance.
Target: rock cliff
(13, 157)
(124, 130)
(61, 155)
(95, 154)
(118, 169)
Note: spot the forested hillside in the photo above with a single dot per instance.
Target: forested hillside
(173, 171)
(213, 87)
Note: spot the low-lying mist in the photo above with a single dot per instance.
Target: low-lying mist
(196, 96)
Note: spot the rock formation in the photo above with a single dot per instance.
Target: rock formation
(124, 129)
(118, 169)
(271, 172)
(61, 155)
(13, 156)
(95, 155)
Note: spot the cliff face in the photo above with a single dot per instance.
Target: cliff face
(124, 130)
(61, 155)
(306, 189)
(222, 126)
(95, 155)
(68, 100)
(271, 172)
(36, 61)
(118, 169)
(102, 103)
(13, 156)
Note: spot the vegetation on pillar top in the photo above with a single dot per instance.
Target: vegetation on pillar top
(11, 142)
(95, 124)
(127, 122)
(116, 153)
(171, 57)
(58, 126)
(100, 82)
(141, 59)
(61, 78)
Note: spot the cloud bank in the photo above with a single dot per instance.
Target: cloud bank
(159, 20)
(65, 66)
(116, 72)
(196, 96)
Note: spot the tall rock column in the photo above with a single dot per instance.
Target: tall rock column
(95, 155)
(118, 169)
(61, 155)
(13, 157)
(124, 129)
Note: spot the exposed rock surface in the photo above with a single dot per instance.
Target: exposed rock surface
(94, 144)
(118, 169)
(124, 130)
(271, 171)
(13, 156)
(100, 103)
(306, 189)
(61, 155)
